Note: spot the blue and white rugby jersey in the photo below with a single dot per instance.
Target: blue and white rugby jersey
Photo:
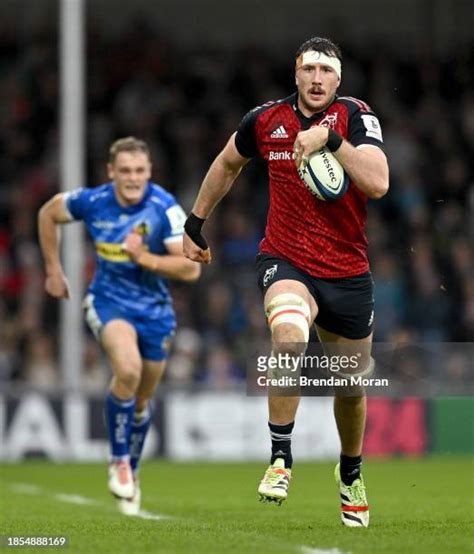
(158, 218)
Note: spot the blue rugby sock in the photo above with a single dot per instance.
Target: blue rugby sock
(140, 426)
(119, 422)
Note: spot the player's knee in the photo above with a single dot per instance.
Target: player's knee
(288, 339)
(288, 332)
(288, 318)
(128, 374)
(364, 369)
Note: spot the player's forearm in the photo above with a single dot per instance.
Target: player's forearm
(171, 266)
(368, 172)
(215, 186)
(49, 239)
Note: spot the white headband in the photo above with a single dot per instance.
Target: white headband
(312, 57)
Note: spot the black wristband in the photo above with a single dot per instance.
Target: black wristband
(334, 140)
(193, 228)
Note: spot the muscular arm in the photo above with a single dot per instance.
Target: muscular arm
(51, 215)
(367, 167)
(172, 265)
(217, 182)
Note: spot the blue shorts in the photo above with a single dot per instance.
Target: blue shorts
(155, 336)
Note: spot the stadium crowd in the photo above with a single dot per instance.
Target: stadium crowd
(185, 103)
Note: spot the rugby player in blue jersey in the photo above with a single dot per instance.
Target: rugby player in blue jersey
(137, 229)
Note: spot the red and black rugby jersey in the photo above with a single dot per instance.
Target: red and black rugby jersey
(324, 239)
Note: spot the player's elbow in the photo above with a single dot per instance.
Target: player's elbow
(379, 184)
(379, 189)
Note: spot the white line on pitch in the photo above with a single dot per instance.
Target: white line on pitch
(312, 550)
(26, 488)
(77, 499)
(148, 515)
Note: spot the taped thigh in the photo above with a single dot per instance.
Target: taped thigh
(289, 308)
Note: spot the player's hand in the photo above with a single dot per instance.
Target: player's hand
(133, 245)
(192, 251)
(57, 285)
(307, 142)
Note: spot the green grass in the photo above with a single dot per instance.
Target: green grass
(416, 506)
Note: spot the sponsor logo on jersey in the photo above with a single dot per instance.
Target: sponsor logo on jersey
(279, 156)
(279, 133)
(103, 224)
(269, 274)
(329, 121)
(113, 251)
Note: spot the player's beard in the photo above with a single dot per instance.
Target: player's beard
(314, 107)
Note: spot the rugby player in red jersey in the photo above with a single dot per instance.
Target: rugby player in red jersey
(312, 266)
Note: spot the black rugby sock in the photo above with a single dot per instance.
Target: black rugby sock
(350, 468)
(281, 442)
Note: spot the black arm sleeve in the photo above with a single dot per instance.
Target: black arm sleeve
(364, 128)
(246, 139)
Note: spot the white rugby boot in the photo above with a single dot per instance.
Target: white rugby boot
(274, 485)
(121, 479)
(354, 505)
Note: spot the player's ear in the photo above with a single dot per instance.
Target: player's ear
(110, 171)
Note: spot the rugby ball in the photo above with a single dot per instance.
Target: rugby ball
(324, 176)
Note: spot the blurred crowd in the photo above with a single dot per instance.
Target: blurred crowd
(186, 103)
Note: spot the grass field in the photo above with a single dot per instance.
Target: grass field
(416, 506)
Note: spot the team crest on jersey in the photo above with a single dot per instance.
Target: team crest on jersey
(329, 121)
(142, 228)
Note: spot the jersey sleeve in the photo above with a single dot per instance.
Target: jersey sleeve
(174, 218)
(364, 128)
(245, 139)
(76, 202)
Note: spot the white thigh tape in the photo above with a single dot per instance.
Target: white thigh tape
(289, 308)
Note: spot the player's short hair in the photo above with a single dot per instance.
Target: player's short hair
(128, 144)
(320, 44)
